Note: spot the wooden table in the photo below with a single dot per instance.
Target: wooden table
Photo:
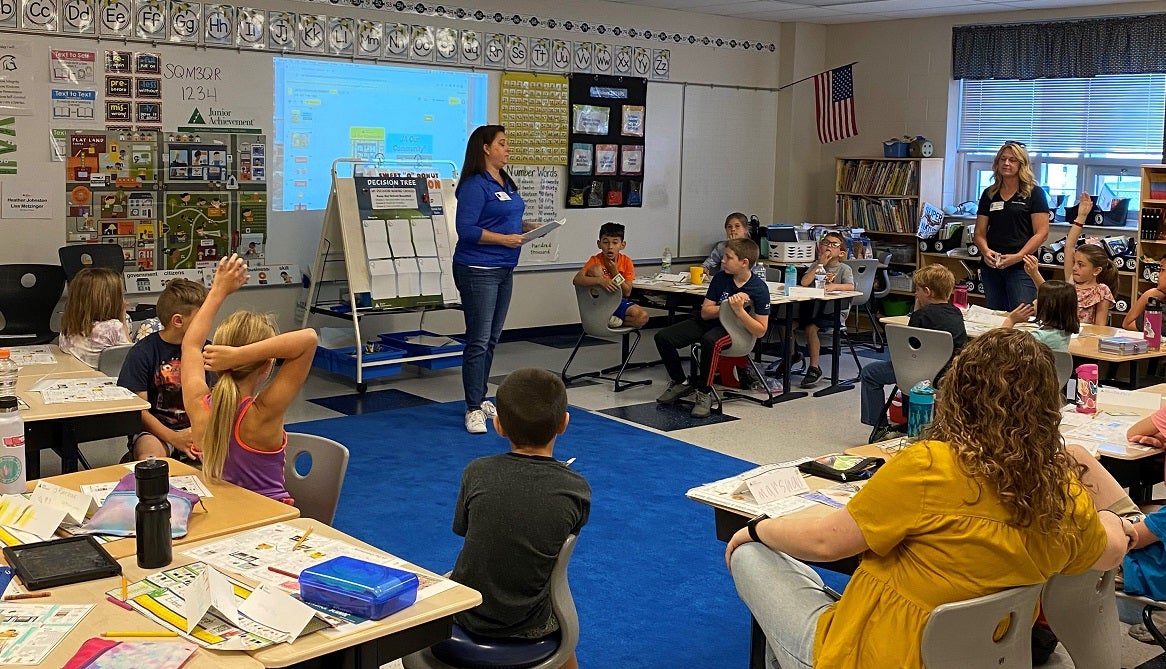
(61, 427)
(232, 509)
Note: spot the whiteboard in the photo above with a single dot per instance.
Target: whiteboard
(728, 163)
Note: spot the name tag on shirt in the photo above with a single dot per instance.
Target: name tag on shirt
(995, 206)
(503, 197)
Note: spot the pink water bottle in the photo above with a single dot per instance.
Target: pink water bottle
(1152, 324)
(1087, 388)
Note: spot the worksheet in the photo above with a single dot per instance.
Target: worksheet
(29, 632)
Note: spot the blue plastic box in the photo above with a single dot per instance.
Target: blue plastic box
(401, 340)
(362, 588)
(343, 361)
(895, 149)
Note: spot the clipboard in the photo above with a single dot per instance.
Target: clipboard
(543, 230)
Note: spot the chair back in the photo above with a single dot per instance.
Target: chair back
(884, 272)
(563, 604)
(1064, 363)
(110, 360)
(864, 278)
(1082, 612)
(596, 310)
(77, 257)
(28, 295)
(961, 635)
(743, 340)
(317, 491)
(918, 354)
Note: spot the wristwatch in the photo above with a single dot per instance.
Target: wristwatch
(752, 526)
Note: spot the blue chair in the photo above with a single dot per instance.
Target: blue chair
(467, 651)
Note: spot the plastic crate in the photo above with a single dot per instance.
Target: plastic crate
(898, 281)
(343, 361)
(893, 149)
(400, 340)
(792, 252)
(904, 253)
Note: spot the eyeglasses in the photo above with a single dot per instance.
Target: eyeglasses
(833, 245)
(1013, 142)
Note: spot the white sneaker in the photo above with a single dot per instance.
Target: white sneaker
(615, 322)
(476, 422)
(489, 409)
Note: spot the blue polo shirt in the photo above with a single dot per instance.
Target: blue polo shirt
(724, 285)
(485, 204)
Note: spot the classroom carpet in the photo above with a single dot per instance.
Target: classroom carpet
(648, 576)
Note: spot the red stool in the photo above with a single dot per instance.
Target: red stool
(727, 368)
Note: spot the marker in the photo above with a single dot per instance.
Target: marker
(28, 595)
(303, 537)
(119, 602)
(283, 573)
(139, 634)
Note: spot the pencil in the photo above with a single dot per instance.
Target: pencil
(119, 602)
(125, 594)
(302, 538)
(283, 573)
(28, 595)
(139, 634)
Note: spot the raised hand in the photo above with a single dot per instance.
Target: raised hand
(231, 275)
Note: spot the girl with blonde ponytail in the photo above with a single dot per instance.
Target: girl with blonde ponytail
(237, 426)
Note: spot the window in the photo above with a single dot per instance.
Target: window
(1082, 134)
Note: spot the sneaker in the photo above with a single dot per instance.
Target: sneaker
(675, 390)
(476, 422)
(489, 409)
(703, 405)
(774, 368)
(615, 322)
(813, 374)
(747, 378)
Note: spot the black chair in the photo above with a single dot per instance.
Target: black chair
(77, 257)
(28, 295)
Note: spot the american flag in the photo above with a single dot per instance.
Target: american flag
(834, 104)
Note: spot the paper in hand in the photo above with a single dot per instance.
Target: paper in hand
(543, 230)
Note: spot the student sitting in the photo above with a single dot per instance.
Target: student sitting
(839, 276)
(613, 271)
(736, 227)
(1156, 293)
(933, 311)
(95, 315)
(1088, 269)
(238, 428)
(510, 562)
(992, 500)
(152, 370)
(1056, 315)
(735, 287)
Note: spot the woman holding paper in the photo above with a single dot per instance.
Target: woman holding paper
(489, 230)
(990, 500)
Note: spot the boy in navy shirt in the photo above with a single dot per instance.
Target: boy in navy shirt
(734, 287)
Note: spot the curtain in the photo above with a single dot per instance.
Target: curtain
(1060, 49)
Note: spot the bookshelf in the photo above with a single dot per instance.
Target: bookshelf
(1151, 224)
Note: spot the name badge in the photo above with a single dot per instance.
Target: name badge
(996, 206)
(503, 197)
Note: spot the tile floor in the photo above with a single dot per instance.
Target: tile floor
(801, 427)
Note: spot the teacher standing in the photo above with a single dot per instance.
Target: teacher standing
(1012, 221)
(489, 230)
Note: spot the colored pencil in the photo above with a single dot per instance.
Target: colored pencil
(304, 536)
(283, 573)
(139, 634)
(125, 594)
(28, 595)
(119, 602)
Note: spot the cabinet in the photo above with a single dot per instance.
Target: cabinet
(884, 196)
(1151, 228)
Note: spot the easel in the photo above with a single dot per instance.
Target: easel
(341, 237)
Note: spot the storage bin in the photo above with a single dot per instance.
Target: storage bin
(899, 252)
(366, 589)
(893, 149)
(896, 306)
(792, 252)
(900, 281)
(343, 361)
(408, 341)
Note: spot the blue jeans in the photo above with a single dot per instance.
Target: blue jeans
(875, 376)
(1006, 288)
(485, 297)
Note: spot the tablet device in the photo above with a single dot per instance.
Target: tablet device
(48, 564)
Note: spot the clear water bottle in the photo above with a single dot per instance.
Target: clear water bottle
(820, 277)
(791, 278)
(922, 406)
(152, 514)
(666, 261)
(759, 270)
(12, 454)
(8, 374)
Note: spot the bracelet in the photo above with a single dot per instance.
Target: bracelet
(1079, 224)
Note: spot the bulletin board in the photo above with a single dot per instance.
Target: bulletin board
(606, 141)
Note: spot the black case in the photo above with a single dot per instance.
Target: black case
(48, 564)
(863, 470)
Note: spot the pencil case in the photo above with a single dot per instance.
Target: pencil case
(842, 467)
(362, 588)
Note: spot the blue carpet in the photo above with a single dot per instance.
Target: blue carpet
(648, 576)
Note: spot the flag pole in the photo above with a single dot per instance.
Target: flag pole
(793, 83)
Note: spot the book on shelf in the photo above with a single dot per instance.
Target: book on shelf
(930, 222)
(1158, 186)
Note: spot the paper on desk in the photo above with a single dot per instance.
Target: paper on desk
(544, 229)
(671, 278)
(983, 316)
(777, 484)
(77, 505)
(18, 513)
(277, 610)
(210, 589)
(1132, 399)
(836, 496)
(31, 355)
(802, 291)
(96, 389)
(188, 482)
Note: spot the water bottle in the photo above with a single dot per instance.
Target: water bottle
(12, 475)
(921, 406)
(759, 270)
(8, 374)
(666, 261)
(1087, 388)
(1152, 324)
(820, 277)
(152, 515)
(791, 278)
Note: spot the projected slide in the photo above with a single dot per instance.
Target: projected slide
(328, 110)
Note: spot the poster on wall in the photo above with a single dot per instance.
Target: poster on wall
(533, 109)
(541, 189)
(16, 75)
(608, 117)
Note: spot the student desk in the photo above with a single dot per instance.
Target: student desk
(61, 427)
(407, 631)
(232, 509)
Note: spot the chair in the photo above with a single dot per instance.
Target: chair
(316, 491)
(76, 257)
(1082, 611)
(865, 272)
(739, 345)
(110, 360)
(918, 354)
(961, 635)
(461, 651)
(1064, 363)
(595, 311)
(28, 295)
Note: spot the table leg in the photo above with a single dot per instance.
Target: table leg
(836, 386)
(787, 355)
(756, 645)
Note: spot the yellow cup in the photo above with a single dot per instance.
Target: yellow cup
(696, 275)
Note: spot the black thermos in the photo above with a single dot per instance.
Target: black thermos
(152, 514)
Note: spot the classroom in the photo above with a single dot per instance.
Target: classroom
(309, 139)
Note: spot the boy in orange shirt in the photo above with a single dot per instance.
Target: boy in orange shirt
(613, 271)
